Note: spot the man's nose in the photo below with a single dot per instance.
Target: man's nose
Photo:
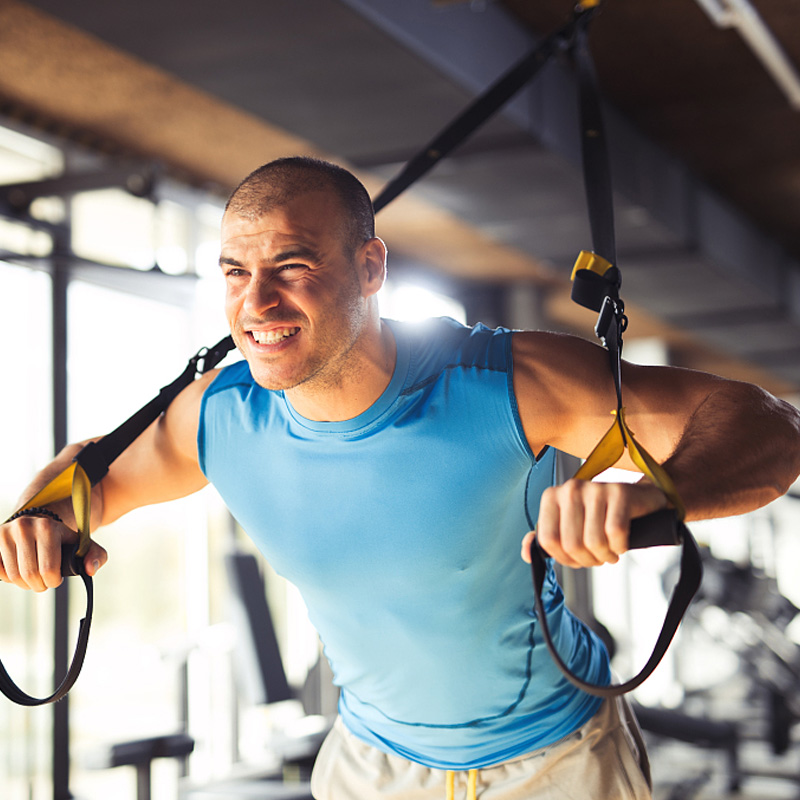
(261, 296)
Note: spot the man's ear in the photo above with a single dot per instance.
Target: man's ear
(371, 260)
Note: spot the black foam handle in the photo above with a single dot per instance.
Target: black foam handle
(655, 530)
(71, 562)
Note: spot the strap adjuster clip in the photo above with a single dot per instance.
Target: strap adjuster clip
(612, 312)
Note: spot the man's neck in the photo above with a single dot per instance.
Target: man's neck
(356, 388)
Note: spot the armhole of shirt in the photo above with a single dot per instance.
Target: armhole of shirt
(512, 399)
(201, 429)
(201, 422)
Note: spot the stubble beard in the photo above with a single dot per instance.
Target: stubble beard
(335, 361)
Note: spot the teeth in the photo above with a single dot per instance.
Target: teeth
(274, 336)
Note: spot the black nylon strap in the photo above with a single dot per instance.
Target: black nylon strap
(601, 292)
(590, 289)
(662, 528)
(600, 206)
(484, 107)
(594, 148)
(71, 564)
(97, 457)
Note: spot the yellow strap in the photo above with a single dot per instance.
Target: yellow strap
(450, 781)
(591, 262)
(58, 489)
(72, 482)
(82, 507)
(609, 450)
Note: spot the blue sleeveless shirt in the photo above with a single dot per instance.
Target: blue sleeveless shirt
(402, 530)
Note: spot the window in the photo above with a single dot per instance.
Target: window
(26, 443)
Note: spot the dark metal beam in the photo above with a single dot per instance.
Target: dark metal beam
(140, 182)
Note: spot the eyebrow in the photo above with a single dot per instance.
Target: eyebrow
(287, 255)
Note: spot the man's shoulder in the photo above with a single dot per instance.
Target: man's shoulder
(554, 351)
(446, 341)
(236, 374)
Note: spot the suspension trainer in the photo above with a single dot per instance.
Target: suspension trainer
(596, 282)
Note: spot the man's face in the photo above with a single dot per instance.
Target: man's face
(293, 301)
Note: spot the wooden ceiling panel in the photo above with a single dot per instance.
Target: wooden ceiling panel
(700, 92)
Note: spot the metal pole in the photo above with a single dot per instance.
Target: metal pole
(60, 738)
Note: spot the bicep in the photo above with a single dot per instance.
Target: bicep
(565, 393)
(161, 464)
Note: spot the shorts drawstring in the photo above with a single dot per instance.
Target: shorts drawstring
(472, 784)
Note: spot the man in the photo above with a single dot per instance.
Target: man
(391, 473)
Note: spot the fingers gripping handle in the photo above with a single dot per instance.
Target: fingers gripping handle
(658, 529)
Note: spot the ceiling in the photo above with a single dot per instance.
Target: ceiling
(705, 148)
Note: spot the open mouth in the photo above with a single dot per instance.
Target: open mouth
(275, 336)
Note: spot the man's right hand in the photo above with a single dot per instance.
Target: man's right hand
(162, 464)
(30, 552)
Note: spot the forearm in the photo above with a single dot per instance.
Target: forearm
(739, 451)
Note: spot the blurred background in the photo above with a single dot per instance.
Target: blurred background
(123, 126)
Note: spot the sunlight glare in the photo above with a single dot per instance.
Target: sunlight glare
(413, 303)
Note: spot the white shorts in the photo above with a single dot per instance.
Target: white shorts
(603, 760)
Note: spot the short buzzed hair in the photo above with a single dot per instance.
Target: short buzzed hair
(276, 183)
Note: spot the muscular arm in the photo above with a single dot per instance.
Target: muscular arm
(162, 464)
(729, 446)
